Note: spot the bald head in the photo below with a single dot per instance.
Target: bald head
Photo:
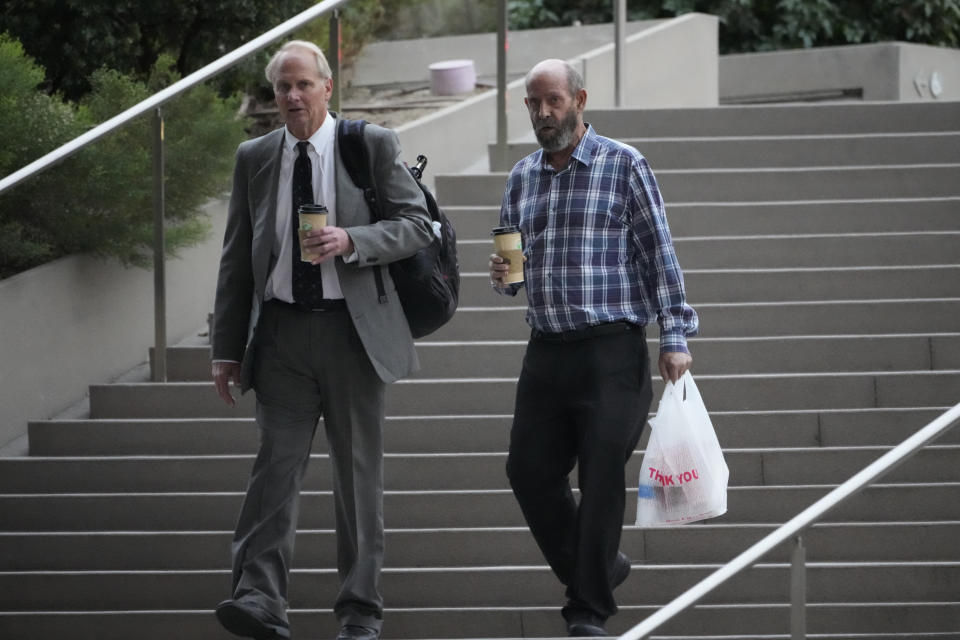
(555, 69)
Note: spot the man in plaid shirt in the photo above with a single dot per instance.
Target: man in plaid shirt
(599, 265)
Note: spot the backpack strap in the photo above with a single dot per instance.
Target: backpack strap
(353, 153)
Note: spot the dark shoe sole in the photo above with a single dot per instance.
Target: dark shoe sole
(584, 630)
(621, 570)
(241, 622)
(358, 632)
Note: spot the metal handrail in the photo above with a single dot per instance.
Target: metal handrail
(793, 529)
(161, 97)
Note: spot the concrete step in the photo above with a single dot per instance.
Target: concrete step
(478, 433)
(684, 152)
(811, 215)
(482, 586)
(465, 547)
(484, 396)
(195, 511)
(749, 185)
(713, 355)
(789, 354)
(436, 471)
(786, 251)
(824, 317)
(786, 119)
(830, 621)
(710, 286)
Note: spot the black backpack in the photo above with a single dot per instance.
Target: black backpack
(427, 282)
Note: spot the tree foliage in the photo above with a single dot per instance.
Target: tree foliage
(74, 38)
(762, 25)
(99, 201)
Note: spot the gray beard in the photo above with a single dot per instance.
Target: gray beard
(556, 142)
(562, 137)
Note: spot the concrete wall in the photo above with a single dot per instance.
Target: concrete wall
(671, 63)
(408, 61)
(886, 71)
(81, 320)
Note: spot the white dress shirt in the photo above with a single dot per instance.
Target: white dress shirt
(321, 153)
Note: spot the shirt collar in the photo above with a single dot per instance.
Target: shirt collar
(586, 148)
(320, 139)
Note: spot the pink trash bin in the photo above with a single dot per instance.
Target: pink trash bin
(451, 77)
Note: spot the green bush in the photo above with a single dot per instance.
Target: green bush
(100, 201)
(31, 123)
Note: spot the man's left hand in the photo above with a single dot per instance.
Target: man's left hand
(329, 242)
(673, 364)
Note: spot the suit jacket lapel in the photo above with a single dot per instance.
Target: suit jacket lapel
(263, 192)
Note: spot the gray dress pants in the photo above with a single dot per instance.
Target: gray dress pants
(308, 365)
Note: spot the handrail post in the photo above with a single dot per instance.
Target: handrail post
(159, 261)
(619, 56)
(500, 161)
(798, 590)
(334, 58)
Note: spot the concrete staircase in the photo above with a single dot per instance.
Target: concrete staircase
(821, 246)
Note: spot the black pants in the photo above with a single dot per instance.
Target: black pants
(585, 403)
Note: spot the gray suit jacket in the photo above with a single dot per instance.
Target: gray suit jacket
(248, 258)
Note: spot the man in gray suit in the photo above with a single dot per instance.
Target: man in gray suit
(312, 339)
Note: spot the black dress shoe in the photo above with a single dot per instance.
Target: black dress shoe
(248, 622)
(583, 625)
(357, 632)
(585, 630)
(620, 570)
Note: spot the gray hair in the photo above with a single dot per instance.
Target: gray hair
(273, 67)
(574, 80)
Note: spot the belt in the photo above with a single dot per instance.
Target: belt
(575, 335)
(328, 304)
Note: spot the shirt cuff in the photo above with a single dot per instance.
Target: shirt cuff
(510, 290)
(673, 342)
(216, 360)
(353, 257)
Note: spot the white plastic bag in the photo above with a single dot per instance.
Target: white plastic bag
(683, 477)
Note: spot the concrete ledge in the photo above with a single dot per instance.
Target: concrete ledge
(408, 61)
(883, 71)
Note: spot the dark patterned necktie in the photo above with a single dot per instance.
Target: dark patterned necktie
(307, 284)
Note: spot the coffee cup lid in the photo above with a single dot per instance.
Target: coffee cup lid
(312, 208)
(502, 230)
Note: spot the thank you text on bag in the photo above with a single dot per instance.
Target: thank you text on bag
(683, 477)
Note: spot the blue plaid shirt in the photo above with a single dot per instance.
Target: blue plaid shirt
(597, 243)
